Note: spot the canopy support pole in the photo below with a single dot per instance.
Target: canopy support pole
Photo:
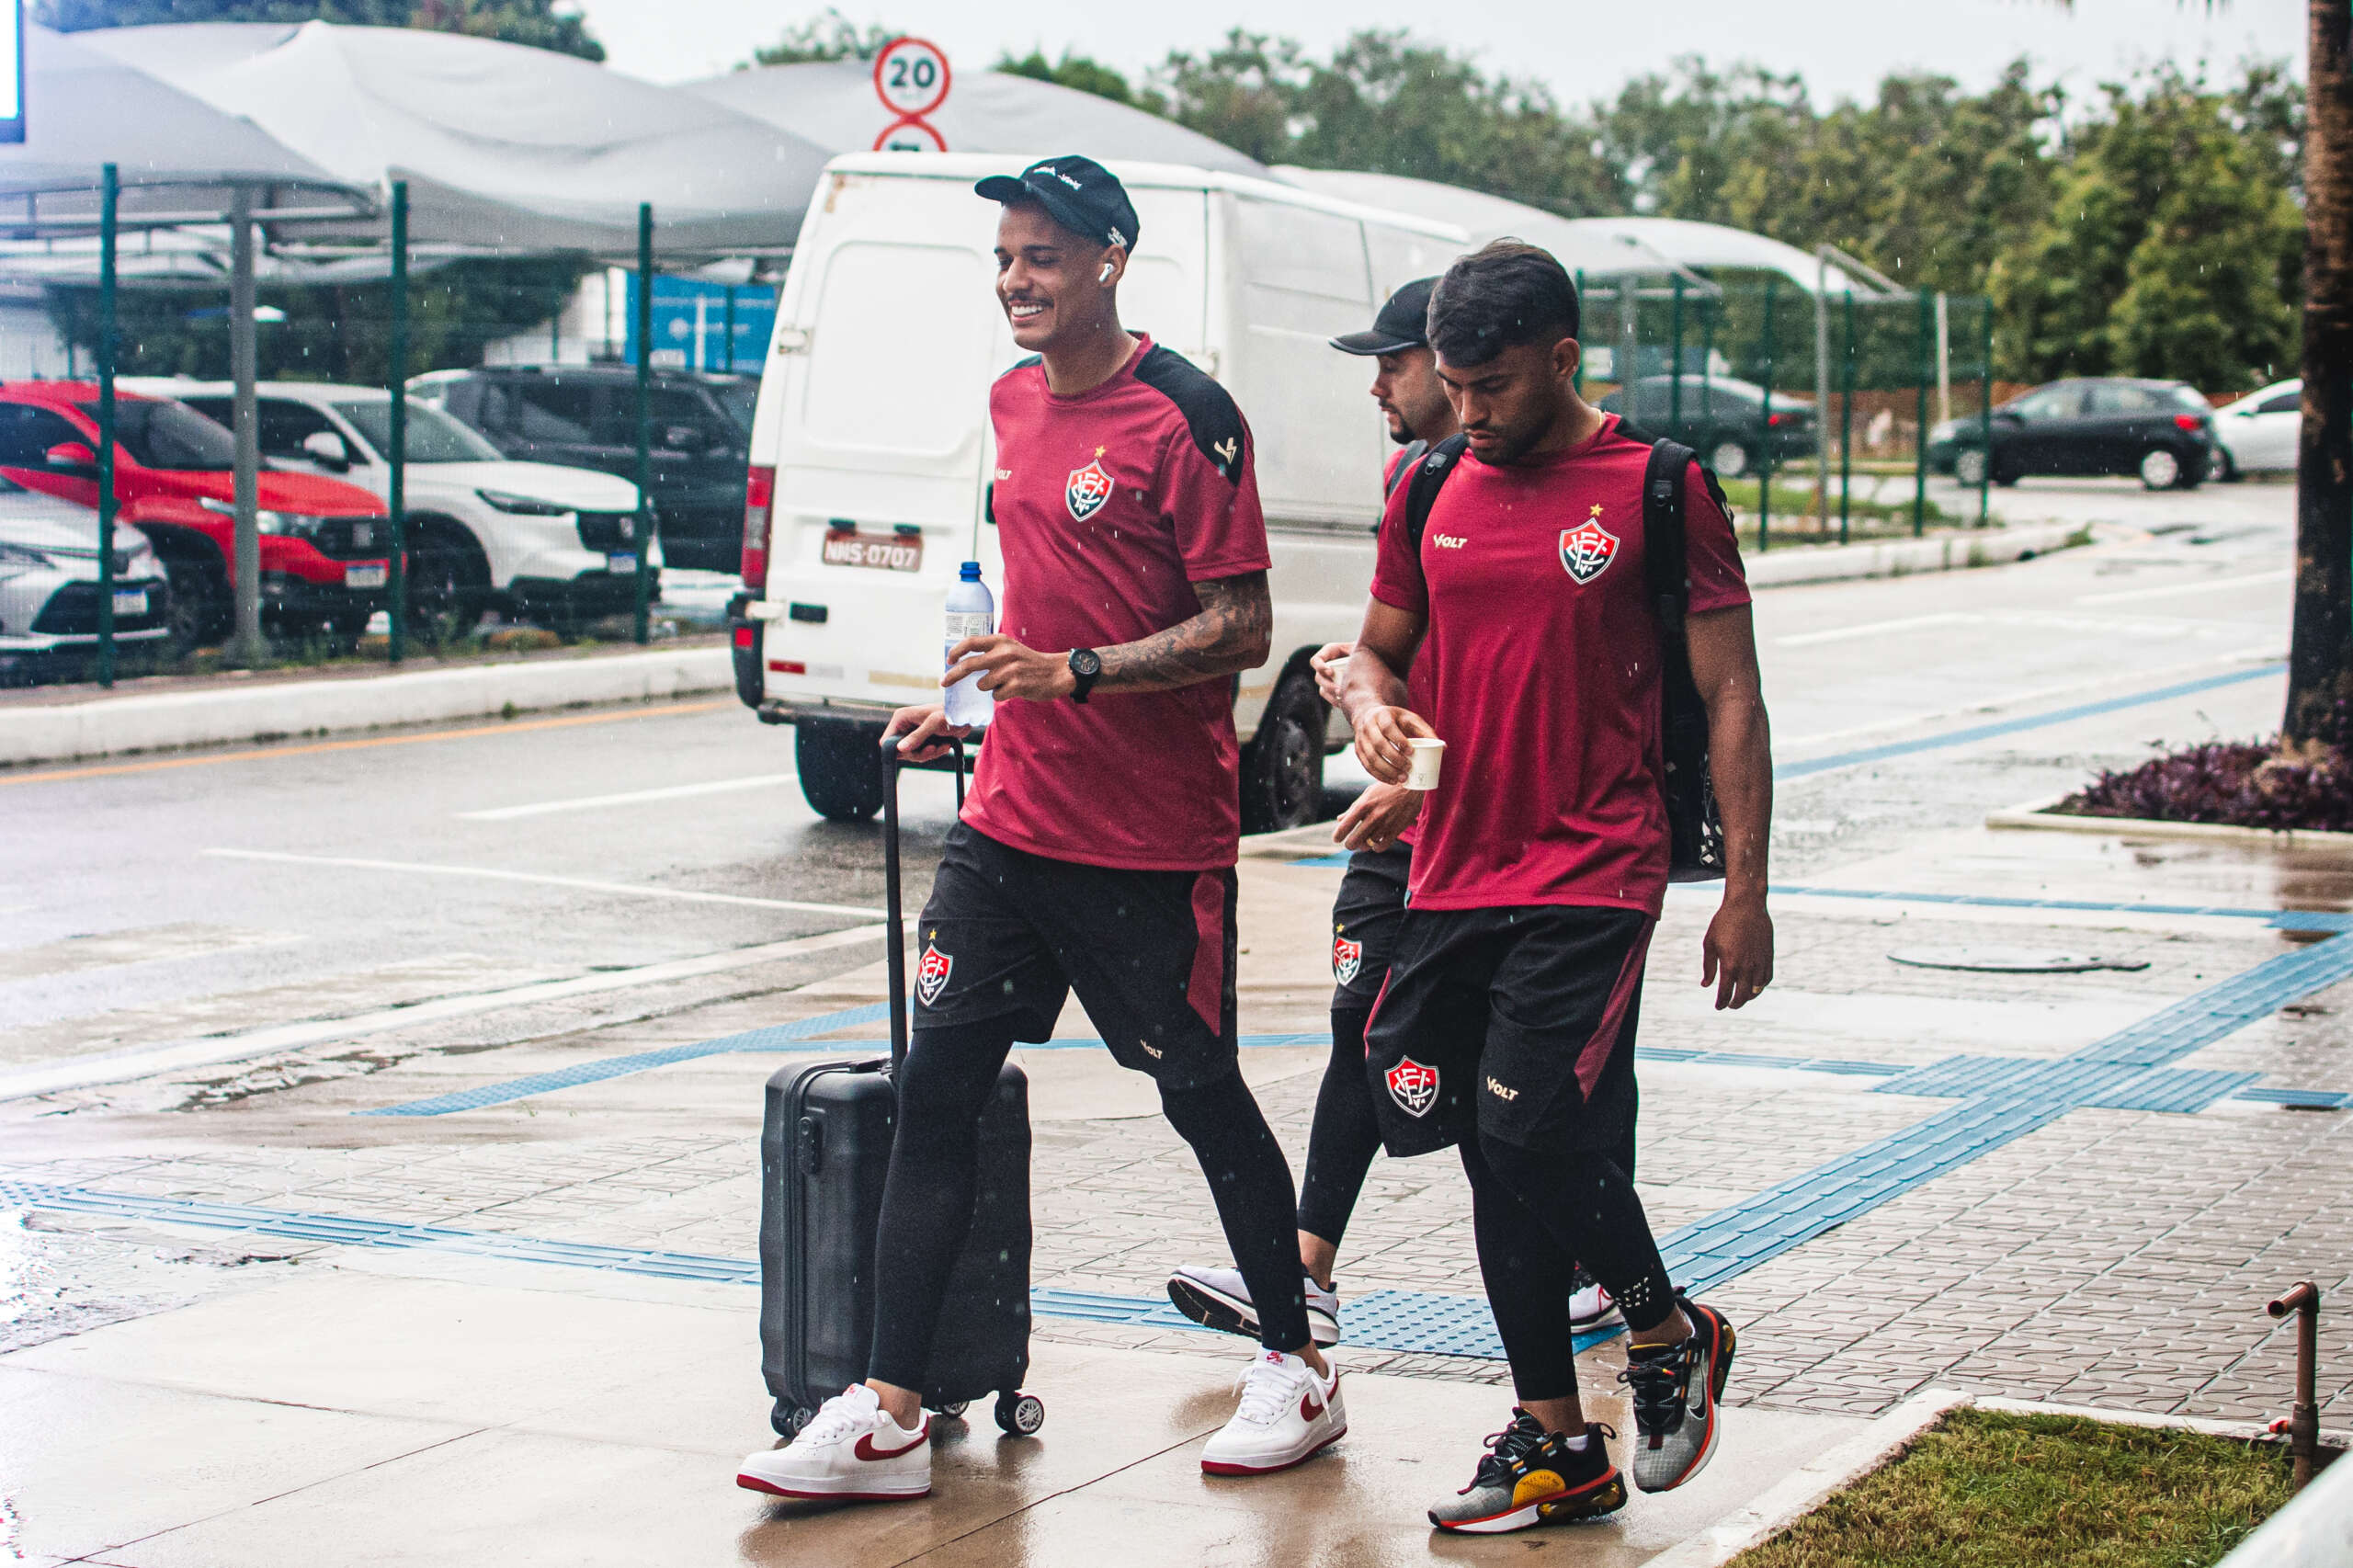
(109, 199)
(246, 647)
(396, 382)
(643, 533)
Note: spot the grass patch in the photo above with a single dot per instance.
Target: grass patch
(1987, 1489)
(1880, 515)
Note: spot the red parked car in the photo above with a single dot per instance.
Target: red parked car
(325, 560)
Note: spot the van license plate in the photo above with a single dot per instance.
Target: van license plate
(371, 576)
(131, 601)
(883, 552)
(621, 565)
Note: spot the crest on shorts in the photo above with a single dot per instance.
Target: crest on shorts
(1087, 489)
(931, 975)
(1587, 549)
(1413, 1086)
(1347, 958)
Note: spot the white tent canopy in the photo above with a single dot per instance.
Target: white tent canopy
(506, 148)
(1714, 246)
(1487, 218)
(832, 104)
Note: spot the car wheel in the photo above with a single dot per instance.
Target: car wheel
(201, 607)
(840, 768)
(1282, 775)
(2160, 470)
(1969, 468)
(1730, 458)
(449, 584)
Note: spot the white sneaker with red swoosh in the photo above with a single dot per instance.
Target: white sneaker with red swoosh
(851, 1450)
(1288, 1413)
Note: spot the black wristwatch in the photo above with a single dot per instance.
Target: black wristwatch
(1086, 665)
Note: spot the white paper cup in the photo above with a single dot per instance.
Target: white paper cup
(1422, 772)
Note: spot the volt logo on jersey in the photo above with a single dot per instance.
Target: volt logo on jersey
(1347, 958)
(1413, 1086)
(1587, 549)
(931, 975)
(1087, 489)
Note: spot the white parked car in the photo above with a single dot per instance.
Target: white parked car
(49, 582)
(2258, 433)
(484, 532)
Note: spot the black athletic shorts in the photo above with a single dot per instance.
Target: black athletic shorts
(1365, 919)
(1150, 953)
(1515, 1023)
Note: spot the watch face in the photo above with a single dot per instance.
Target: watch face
(1085, 662)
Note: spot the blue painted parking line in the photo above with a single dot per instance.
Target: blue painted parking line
(1812, 766)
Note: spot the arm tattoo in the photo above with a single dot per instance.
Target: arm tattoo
(1232, 633)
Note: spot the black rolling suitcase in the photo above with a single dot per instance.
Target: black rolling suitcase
(825, 1149)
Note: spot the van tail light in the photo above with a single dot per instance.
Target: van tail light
(759, 506)
(2191, 422)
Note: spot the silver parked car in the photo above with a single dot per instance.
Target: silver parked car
(49, 583)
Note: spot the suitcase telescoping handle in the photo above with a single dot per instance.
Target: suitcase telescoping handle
(891, 764)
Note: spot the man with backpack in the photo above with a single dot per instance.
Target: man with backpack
(1096, 851)
(1514, 587)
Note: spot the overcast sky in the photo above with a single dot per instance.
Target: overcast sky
(1582, 49)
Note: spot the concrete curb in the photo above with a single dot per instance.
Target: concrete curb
(2037, 816)
(275, 710)
(1904, 557)
(1802, 1491)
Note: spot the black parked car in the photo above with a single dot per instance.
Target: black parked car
(586, 416)
(2163, 431)
(1721, 418)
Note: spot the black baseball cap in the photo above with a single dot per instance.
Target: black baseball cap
(1083, 196)
(1403, 323)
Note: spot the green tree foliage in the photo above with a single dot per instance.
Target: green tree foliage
(831, 36)
(1078, 72)
(2171, 247)
(542, 23)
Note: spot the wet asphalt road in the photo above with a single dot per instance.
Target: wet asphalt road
(152, 899)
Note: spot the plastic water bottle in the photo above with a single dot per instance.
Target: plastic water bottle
(971, 612)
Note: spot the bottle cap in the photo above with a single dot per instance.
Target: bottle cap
(972, 571)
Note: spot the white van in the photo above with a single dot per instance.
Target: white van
(870, 448)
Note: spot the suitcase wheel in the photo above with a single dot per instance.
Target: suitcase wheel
(953, 1408)
(1020, 1414)
(788, 1419)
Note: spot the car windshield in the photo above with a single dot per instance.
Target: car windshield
(161, 433)
(738, 399)
(433, 435)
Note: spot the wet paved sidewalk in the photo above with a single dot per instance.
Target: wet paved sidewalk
(446, 1398)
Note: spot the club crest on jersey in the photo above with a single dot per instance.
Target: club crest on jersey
(1347, 958)
(1413, 1086)
(931, 975)
(1587, 549)
(1087, 489)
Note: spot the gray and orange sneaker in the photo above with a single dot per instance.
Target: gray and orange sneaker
(1530, 1476)
(1678, 1391)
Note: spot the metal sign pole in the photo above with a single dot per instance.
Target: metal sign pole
(396, 378)
(109, 200)
(643, 535)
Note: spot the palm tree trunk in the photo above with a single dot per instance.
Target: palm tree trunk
(2320, 653)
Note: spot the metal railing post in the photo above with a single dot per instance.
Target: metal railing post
(646, 523)
(1675, 370)
(110, 203)
(396, 382)
(1985, 419)
(1765, 446)
(1577, 380)
(1923, 370)
(1846, 422)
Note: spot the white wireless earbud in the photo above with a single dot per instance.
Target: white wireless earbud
(1104, 276)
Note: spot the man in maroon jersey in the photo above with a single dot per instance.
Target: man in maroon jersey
(1522, 611)
(1096, 850)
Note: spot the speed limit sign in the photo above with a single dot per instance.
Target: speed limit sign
(911, 77)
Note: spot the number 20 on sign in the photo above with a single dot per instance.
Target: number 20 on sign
(911, 77)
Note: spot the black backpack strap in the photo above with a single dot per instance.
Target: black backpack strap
(1429, 476)
(1665, 558)
(1403, 469)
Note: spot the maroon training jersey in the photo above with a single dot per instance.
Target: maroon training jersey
(1110, 505)
(1540, 671)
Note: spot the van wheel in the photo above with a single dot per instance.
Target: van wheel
(1282, 775)
(841, 773)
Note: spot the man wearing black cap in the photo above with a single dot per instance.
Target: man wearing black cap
(1096, 850)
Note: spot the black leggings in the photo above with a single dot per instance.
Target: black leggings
(1535, 1213)
(1345, 1135)
(934, 1157)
